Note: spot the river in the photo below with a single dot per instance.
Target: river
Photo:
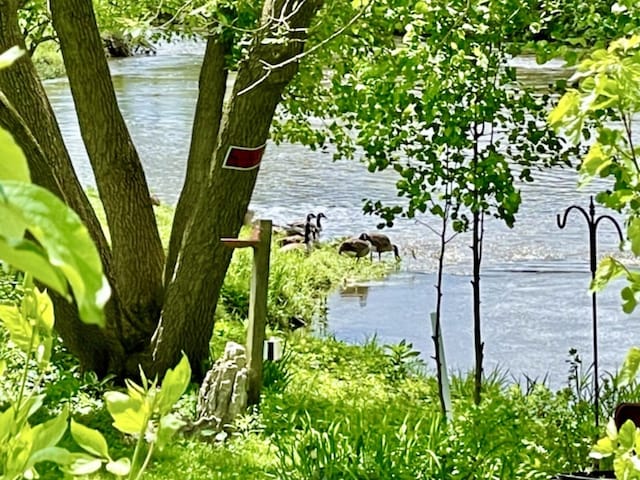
(535, 303)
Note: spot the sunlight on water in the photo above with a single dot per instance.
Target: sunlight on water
(535, 300)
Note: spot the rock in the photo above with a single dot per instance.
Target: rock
(223, 394)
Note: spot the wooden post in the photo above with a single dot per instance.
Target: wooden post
(261, 244)
(258, 310)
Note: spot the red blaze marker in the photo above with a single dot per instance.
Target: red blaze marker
(243, 158)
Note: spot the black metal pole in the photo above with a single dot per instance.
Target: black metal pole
(592, 222)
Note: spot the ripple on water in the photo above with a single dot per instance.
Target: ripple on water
(535, 276)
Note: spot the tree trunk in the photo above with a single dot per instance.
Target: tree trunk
(27, 103)
(438, 329)
(212, 87)
(138, 258)
(477, 332)
(213, 201)
(190, 302)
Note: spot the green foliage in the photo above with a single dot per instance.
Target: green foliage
(22, 445)
(63, 252)
(342, 416)
(569, 28)
(349, 448)
(622, 445)
(276, 375)
(434, 107)
(403, 360)
(144, 411)
(607, 100)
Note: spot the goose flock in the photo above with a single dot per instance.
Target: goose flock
(302, 235)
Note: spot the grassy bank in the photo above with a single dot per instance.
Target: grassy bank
(335, 411)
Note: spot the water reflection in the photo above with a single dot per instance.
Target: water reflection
(355, 291)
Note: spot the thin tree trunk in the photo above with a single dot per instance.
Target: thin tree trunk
(212, 88)
(138, 257)
(475, 283)
(477, 332)
(438, 329)
(188, 314)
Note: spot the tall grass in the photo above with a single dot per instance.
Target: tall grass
(298, 283)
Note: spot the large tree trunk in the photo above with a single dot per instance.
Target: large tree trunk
(190, 302)
(27, 109)
(213, 201)
(138, 258)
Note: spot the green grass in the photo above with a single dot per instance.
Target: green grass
(336, 411)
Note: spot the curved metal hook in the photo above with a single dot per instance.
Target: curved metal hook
(615, 224)
(563, 223)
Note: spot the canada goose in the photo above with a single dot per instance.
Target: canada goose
(295, 242)
(298, 228)
(355, 247)
(317, 228)
(380, 243)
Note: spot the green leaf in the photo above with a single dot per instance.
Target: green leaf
(120, 467)
(627, 434)
(633, 232)
(7, 425)
(66, 240)
(45, 311)
(130, 415)
(629, 301)
(20, 331)
(58, 455)
(169, 425)
(14, 164)
(608, 269)
(30, 257)
(567, 107)
(10, 56)
(49, 433)
(90, 440)
(629, 370)
(174, 384)
(604, 448)
(83, 464)
(595, 161)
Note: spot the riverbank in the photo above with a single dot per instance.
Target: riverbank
(49, 64)
(334, 411)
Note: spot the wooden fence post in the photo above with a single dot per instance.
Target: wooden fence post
(260, 241)
(258, 310)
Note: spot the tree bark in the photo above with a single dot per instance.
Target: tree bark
(212, 204)
(27, 109)
(138, 257)
(212, 88)
(25, 93)
(190, 302)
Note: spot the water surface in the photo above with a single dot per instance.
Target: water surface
(535, 276)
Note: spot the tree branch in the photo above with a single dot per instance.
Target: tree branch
(269, 68)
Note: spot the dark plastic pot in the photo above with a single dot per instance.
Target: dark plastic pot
(586, 476)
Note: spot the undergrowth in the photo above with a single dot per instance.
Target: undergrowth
(335, 411)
